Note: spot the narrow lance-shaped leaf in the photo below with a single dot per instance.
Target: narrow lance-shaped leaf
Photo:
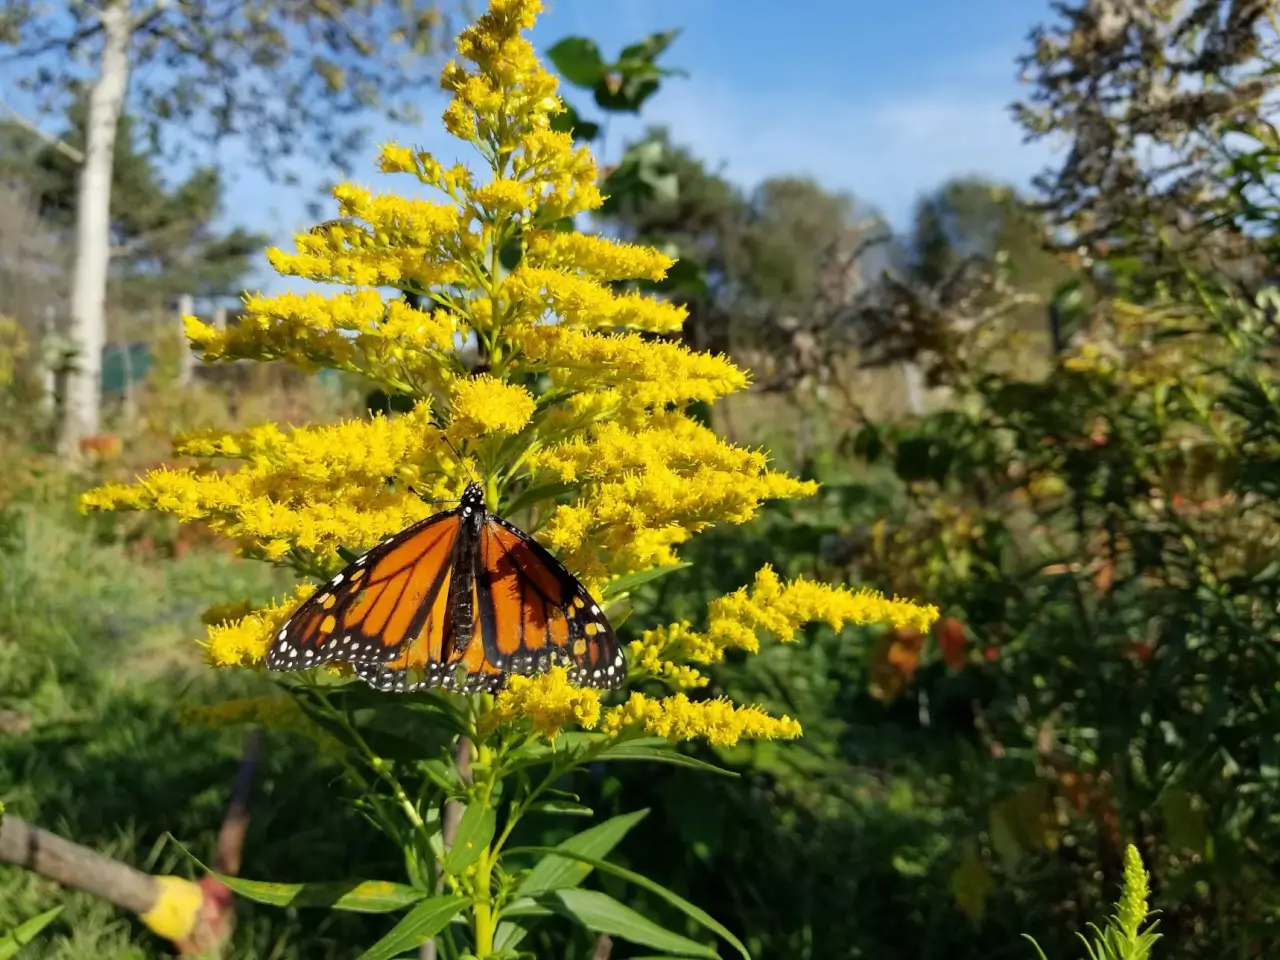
(555, 873)
(697, 914)
(475, 833)
(357, 896)
(417, 927)
(25, 932)
(600, 913)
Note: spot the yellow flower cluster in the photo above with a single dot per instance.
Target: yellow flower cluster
(648, 489)
(670, 654)
(312, 488)
(533, 373)
(776, 607)
(243, 642)
(677, 718)
(549, 703)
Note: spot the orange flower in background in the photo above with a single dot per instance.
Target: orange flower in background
(893, 662)
(952, 642)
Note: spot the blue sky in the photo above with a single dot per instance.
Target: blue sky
(885, 100)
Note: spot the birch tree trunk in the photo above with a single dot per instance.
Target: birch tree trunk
(93, 225)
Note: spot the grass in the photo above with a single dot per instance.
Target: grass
(96, 655)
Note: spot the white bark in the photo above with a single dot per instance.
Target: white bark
(81, 416)
(913, 387)
(186, 359)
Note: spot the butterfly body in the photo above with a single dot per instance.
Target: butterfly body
(460, 600)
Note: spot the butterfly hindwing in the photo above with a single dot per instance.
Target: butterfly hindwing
(542, 614)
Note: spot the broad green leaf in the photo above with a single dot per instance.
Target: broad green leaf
(578, 60)
(475, 833)
(25, 932)
(694, 913)
(556, 873)
(658, 751)
(358, 896)
(629, 582)
(416, 927)
(600, 913)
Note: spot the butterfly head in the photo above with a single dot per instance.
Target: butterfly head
(472, 502)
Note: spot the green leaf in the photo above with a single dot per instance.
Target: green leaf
(25, 932)
(571, 122)
(564, 808)
(658, 750)
(536, 494)
(357, 896)
(648, 49)
(512, 251)
(417, 927)
(629, 582)
(475, 833)
(508, 935)
(578, 60)
(694, 913)
(600, 913)
(557, 873)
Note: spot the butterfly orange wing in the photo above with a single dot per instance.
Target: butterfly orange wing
(388, 606)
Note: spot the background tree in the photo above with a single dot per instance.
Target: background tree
(292, 77)
(163, 242)
(1166, 112)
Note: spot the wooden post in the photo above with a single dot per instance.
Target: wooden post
(170, 906)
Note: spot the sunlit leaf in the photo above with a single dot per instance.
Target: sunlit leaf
(697, 914)
(658, 750)
(357, 896)
(555, 873)
(600, 913)
(416, 927)
(25, 932)
(475, 833)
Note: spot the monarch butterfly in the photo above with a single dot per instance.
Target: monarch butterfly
(406, 614)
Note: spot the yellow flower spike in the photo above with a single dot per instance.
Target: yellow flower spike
(482, 405)
(678, 718)
(781, 608)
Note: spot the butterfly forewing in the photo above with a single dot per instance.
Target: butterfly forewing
(351, 617)
(460, 601)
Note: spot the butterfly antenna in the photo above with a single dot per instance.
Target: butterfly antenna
(448, 443)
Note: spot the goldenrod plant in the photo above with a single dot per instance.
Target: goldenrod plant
(519, 352)
(1124, 937)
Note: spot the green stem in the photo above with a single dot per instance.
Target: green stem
(485, 916)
